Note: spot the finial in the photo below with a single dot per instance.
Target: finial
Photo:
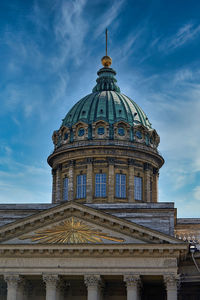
(106, 60)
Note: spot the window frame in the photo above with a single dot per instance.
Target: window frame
(100, 185)
(138, 188)
(65, 194)
(81, 186)
(120, 186)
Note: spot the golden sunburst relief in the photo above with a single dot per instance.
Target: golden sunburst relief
(70, 232)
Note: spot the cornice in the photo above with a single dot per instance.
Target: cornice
(106, 145)
(95, 250)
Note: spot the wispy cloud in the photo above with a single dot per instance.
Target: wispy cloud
(184, 35)
(108, 17)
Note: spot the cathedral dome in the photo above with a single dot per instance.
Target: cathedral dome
(110, 106)
(106, 103)
(105, 149)
(106, 114)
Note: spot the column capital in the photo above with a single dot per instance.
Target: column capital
(51, 279)
(132, 280)
(13, 279)
(92, 280)
(89, 160)
(171, 280)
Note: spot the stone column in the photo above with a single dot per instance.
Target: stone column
(62, 286)
(71, 181)
(171, 281)
(93, 287)
(13, 292)
(111, 180)
(51, 282)
(53, 185)
(89, 185)
(147, 182)
(131, 181)
(58, 184)
(132, 286)
(155, 185)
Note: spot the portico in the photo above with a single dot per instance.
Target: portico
(88, 287)
(117, 256)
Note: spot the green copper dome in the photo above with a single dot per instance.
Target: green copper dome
(109, 106)
(106, 103)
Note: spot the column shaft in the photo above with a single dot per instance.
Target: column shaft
(93, 286)
(132, 286)
(155, 187)
(147, 185)
(131, 184)
(111, 182)
(53, 186)
(89, 182)
(71, 181)
(12, 286)
(171, 282)
(51, 286)
(58, 184)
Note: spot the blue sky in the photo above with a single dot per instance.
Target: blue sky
(50, 52)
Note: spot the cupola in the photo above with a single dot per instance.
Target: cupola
(106, 149)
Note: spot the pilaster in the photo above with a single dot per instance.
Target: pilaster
(155, 185)
(111, 180)
(89, 180)
(53, 186)
(58, 184)
(131, 181)
(71, 181)
(147, 183)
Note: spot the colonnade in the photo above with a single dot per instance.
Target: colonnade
(94, 283)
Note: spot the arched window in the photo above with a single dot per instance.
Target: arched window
(120, 186)
(81, 186)
(100, 185)
(138, 188)
(65, 189)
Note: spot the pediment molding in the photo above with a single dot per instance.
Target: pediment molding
(87, 214)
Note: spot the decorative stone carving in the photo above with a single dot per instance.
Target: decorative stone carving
(132, 280)
(171, 280)
(13, 279)
(51, 279)
(92, 280)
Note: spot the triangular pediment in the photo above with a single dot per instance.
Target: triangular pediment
(73, 223)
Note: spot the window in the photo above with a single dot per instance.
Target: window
(120, 186)
(81, 186)
(100, 130)
(139, 134)
(138, 188)
(65, 189)
(66, 136)
(121, 131)
(81, 132)
(100, 185)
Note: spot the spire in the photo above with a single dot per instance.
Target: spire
(106, 60)
(106, 80)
